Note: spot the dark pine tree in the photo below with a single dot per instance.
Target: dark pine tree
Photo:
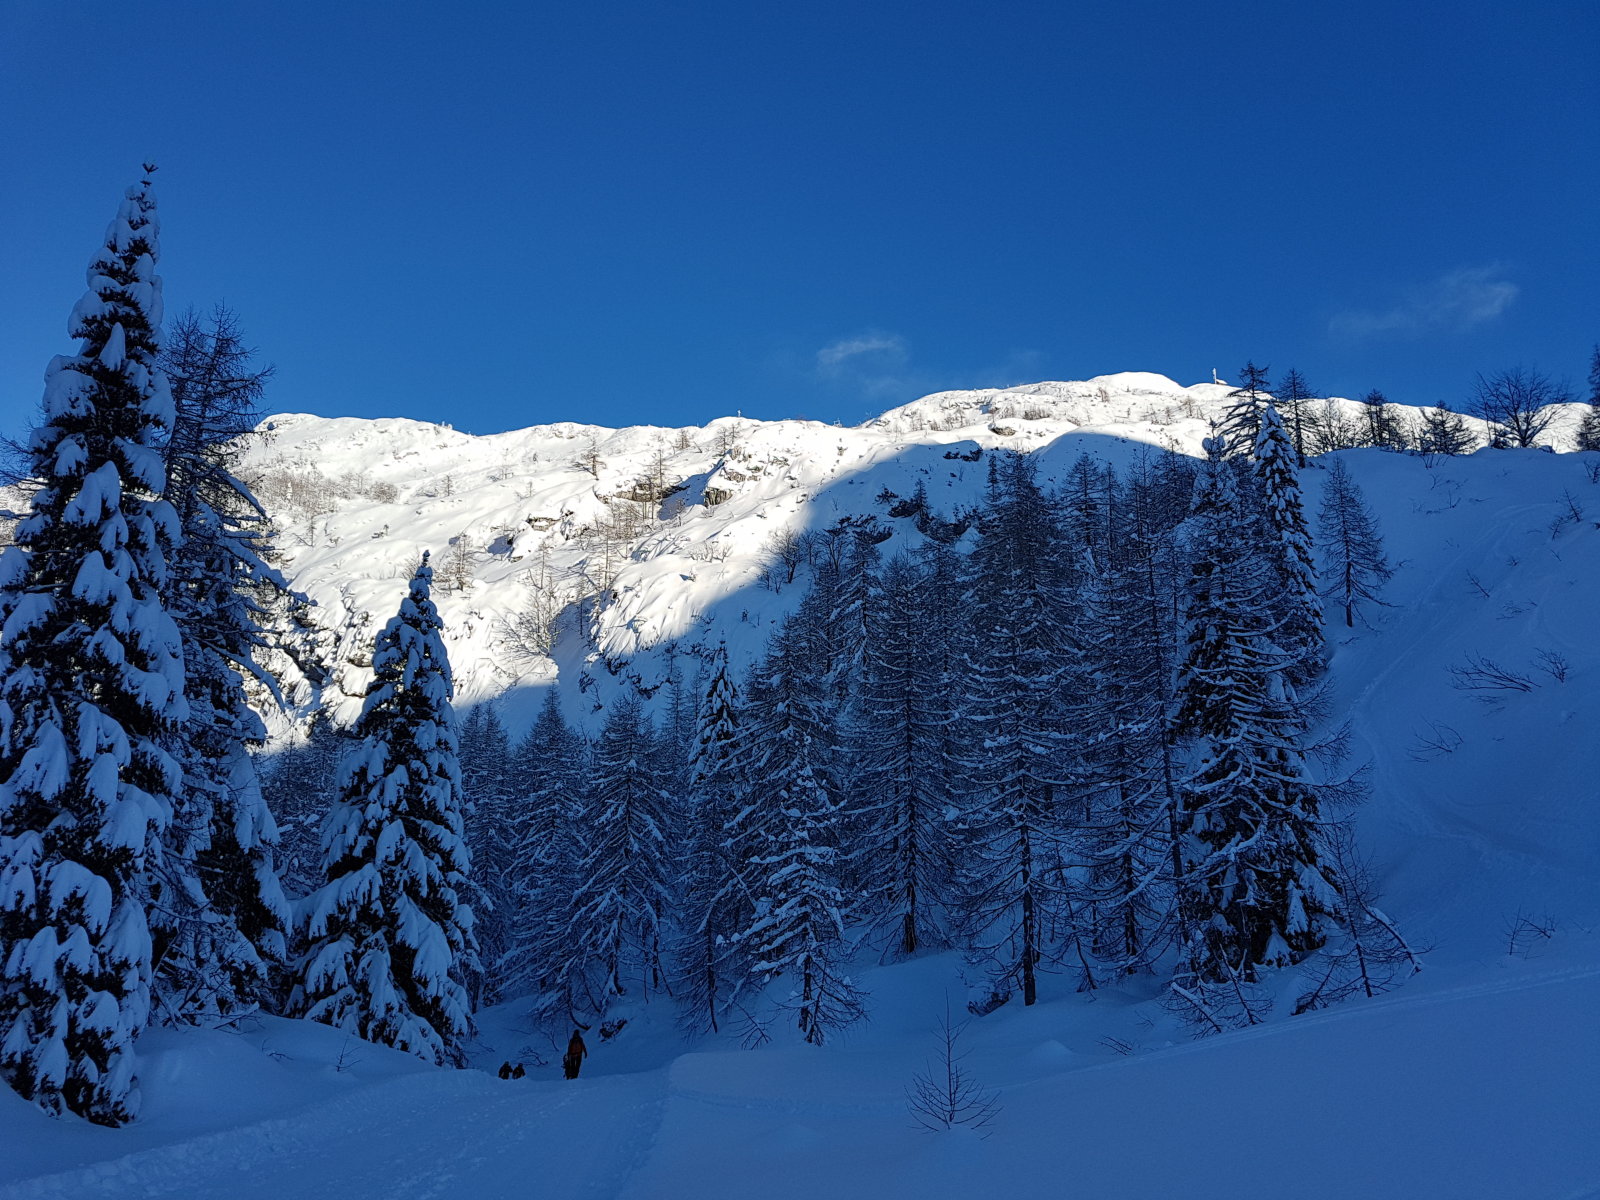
(493, 813)
(1382, 428)
(1444, 432)
(550, 773)
(1352, 547)
(1588, 436)
(1242, 419)
(1128, 773)
(1294, 397)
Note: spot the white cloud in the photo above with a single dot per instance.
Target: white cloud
(881, 347)
(1458, 300)
(878, 367)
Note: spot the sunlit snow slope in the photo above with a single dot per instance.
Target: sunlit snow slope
(574, 511)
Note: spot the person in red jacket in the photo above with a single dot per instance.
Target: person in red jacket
(576, 1053)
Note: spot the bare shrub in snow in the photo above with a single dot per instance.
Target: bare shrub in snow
(1440, 740)
(1553, 663)
(944, 1095)
(1368, 955)
(1524, 933)
(1486, 675)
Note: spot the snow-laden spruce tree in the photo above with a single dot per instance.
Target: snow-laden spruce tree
(301, 782)
(1242, 420)
(1017, 746)
(900, 736)
(390, 934)
(837, 604)
(1127, 781)
(1296, 604)
(795, 940)
(717, 891)
(1352, 546)
(1294, 396)
(550, 773)
(1257, 886)
(620, 888)
(221, 921)
(495, 817)
(91, 686)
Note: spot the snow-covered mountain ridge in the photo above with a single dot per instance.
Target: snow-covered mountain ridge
(676, 531)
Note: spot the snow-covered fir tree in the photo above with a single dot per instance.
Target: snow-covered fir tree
(1352, 546)
(1256, 883)
(1128, 773)
(91, 688)
(1016, 765)
(795, 940)
(300, 782)
(1286, 546)
(221, 923)
(550, 774)
(1242, 421)
(390, 933)
(613, 943)
(494, 815)
(717, 891)
(900, 736)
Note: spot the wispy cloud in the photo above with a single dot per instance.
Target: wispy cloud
(879, 367)
(874, 364)
(877, 347)
(1458, 300)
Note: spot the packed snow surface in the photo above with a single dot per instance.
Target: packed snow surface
(1479, 1078)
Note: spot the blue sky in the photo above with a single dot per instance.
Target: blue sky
(498, 214)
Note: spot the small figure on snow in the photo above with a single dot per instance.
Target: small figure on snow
(517, 1071)
(505, 1070)
(576, 1052)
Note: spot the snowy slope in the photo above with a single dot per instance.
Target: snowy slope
(358, 501)
(1480, 1078)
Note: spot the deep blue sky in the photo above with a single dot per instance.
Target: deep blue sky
(501, 214)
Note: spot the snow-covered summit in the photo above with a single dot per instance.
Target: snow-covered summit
(640, 541)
